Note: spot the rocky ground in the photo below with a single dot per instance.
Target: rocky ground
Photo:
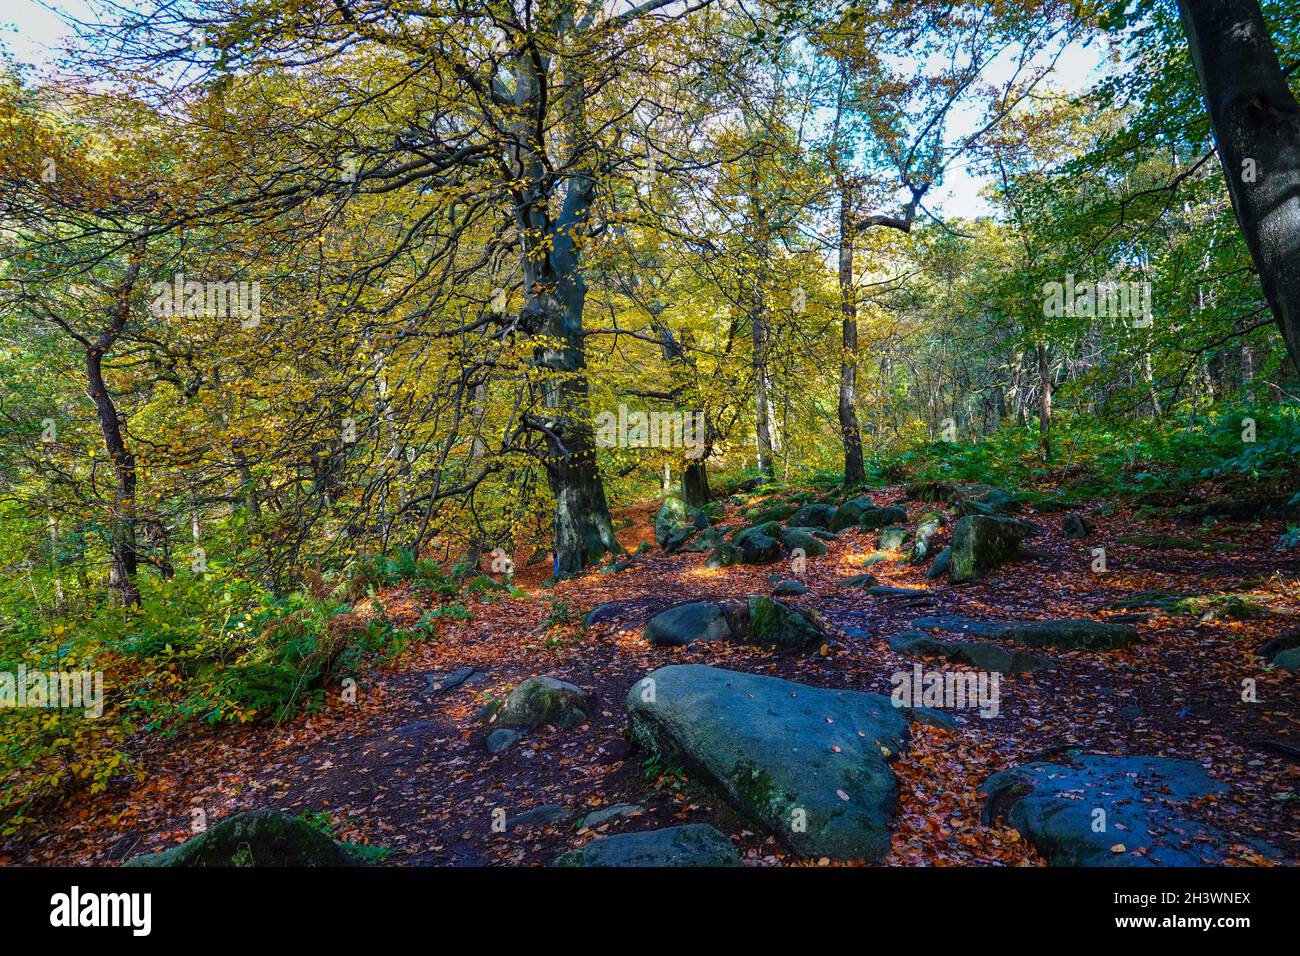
(1167, 720)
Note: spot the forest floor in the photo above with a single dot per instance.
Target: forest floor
(405, 767)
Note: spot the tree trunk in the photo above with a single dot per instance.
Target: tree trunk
(123, 560)
(1044, 403)
(554, 295)
(695, 484)
(583, 530)
(1256, 125)
(762, 387)
(854, 473)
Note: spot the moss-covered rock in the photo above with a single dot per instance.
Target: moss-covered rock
(849, 513)
(1067, 634)
(707, 540)
(779, 511)
(873, 519)
(805, 539)
(693, 844)
(542, 700)
(256, 838)
(814, 515)
(771, 623)
(759, 544)
(678, 537)
(928, 526)
(982, 542)
(752, 620)
(1171, 542)
(723, 556)
(942, 491)
(809, 765)
(892, 537)
(672, 513)
(994, 501)
(987, 657)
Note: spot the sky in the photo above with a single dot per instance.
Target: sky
(32, 32)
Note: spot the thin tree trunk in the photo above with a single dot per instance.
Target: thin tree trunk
(123, 560)
(1045, 403)
(854, 472)
(762, 386)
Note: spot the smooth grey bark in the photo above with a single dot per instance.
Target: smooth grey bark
(554, 296)
(1256, 124)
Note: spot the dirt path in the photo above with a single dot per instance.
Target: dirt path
(405, 767)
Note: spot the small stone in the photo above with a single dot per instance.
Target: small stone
(502, 739)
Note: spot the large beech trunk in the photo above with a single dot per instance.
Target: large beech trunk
(1256, 126)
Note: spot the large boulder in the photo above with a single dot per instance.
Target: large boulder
(758, 544)
(771, 623)
(678, 538)
(541, 700)
(723, 556)
(814, 515)
(809, 765)
(773, 512)
(994, 501)
(695, 844)
(672, 513)
(850, 513)
(256, 838)
(1288, 660)
(980, 543)
(805, 540)
(1068, 634)
(752, 620)
(686, 623)
(1143, 802)
(873, 519)
(987, 657)
(940, 565)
